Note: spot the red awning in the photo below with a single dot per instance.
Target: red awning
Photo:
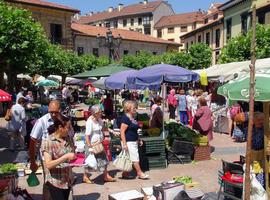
(4, 96)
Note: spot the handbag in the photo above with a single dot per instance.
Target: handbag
(8, 115)
(91, 161)
(98, 148)
(123, 162)
(240, 117)
(238, 133)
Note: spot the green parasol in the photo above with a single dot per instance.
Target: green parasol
(47, 83)
(102, 71)
(238, 89)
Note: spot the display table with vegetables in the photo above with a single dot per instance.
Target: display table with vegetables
(177, 131)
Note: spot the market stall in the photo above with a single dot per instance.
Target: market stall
(238, 89)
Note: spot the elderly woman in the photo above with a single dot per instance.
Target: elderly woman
(130, 137)
(94, 137)
(57, 149)
(172, 103)
(258, 131)
(17, 124)
(203, 119)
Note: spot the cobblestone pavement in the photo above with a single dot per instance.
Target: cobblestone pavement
(204, 172)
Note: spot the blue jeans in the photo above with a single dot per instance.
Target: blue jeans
(183, 117)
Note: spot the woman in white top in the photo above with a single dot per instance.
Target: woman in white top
(94, 136)
(17, 124)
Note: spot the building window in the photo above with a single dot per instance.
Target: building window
(115, 24)
(187, 46)
(217, 38)
(56, 33)
(146, 20)
(215, 16)
(108, 24)
(172, 40)
(261, 18)
(140, 21)
(207, 38)
(194, 25)
(159, 33)
(181, 45)
(206, 20)
(183, 29)
(199, 38)
(124, 23)
(228, 29)
(95, 52)
(154, 53)
(171, 30)
(80, 51)
(191, 43)
(132, 22)
(217, 56)
(244, 18)
(100, 25)
(147, 30)
(125, 52)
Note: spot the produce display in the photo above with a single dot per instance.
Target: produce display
(8, 168)
(183, 179)
(180, 132)
(153, 132)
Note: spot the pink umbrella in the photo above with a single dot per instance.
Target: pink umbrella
(4, 96)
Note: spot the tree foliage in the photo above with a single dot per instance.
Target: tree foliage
(238, 48)
(200, 55)
(21, 40)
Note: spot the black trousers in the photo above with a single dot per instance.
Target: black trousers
(58, 193)
(172, 111)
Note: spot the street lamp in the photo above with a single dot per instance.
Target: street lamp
(109, 41)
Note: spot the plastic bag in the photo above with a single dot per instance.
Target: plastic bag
(123, 162)
(32, 180)
(91, 161)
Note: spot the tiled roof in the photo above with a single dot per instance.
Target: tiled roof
(45, 4)
(134, 9)
(93, 31)
(202, 28)
(178, 19)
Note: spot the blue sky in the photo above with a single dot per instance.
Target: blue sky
(179, 6)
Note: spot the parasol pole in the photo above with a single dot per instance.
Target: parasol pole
(251, 104)
(163, 99)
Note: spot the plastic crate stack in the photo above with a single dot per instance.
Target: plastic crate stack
(154, 152)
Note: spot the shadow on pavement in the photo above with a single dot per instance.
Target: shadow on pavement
(212, 149)
(92, 196)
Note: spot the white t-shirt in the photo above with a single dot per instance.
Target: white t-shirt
(40, 129)
(93, 130)
(18, 119)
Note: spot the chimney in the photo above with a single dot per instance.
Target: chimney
(120, 6)
(110, 9)
(91, 13)
(77, 16)
(145, 2)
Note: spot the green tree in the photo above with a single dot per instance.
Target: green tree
(200, 55)
(90, 61)
(238, 48)
(129, 61)
(103, 61)
(21, 42)
(177, 58)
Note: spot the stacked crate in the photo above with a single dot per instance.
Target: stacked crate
(154, 152)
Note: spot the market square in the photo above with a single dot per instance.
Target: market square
(142, 100)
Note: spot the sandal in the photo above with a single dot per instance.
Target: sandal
(87, 180)
(144, 177)
(109, 179)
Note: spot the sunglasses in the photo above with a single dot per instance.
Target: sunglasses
(54, 112)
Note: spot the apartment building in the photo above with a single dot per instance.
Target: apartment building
(237, 16)
(173, 26)
(131, 42)
(54, 18)
(139, 17)
(210, 33)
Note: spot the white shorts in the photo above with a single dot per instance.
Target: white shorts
(133, 151)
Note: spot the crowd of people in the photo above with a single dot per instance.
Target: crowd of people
(51, 137)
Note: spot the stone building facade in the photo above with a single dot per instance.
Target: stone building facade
(131, 43)
(139, 17)
(54, 18)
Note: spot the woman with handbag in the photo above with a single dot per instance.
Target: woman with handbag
(94, 138)
(58, 150)
(130, 137)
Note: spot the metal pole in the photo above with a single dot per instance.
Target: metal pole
(251, 105)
